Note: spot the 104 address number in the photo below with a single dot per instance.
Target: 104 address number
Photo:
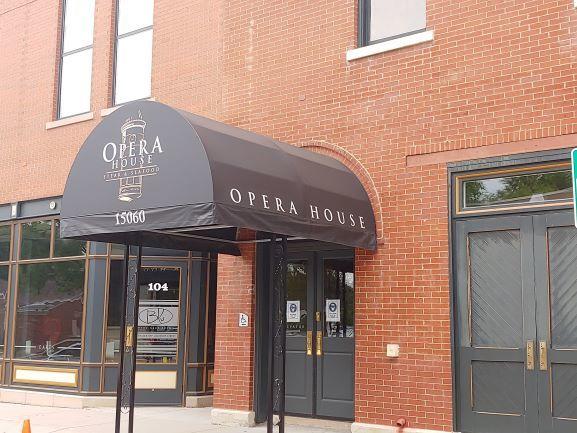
(130, 217)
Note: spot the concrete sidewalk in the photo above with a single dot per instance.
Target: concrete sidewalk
(147, 420)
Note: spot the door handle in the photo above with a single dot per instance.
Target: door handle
(319, 343)
(530, 355)
(128, 338)
(309, 343)
(543, 356)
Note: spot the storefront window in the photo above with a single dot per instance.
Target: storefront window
(67, 247)
(114, 310)
(4, 270)
(35, 240)
(49, 311)
(5, 236)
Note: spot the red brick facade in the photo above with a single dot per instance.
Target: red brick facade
(498, 75)
(234, 356)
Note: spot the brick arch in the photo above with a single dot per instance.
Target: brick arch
(357, 167)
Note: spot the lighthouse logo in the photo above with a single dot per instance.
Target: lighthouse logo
(132, 159)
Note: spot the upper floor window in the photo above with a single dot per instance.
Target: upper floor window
(76, 58)
(380, 20)
(133, 50)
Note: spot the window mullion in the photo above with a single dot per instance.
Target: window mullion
(134, 32)
(77, 50)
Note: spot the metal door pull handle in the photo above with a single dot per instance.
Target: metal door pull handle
(530, 355)
(543, 356)
(309, 343)
(319, 343)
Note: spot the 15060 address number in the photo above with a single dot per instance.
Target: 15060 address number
(130, 217)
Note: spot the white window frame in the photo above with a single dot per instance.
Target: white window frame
(118, 37)
(63, 54)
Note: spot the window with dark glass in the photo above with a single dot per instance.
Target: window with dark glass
(381, 20)
(5, 242)
(158, 313)
(35, 243)
(67, 247)
(49, 306)
(133, 50)
(114, 310)
(339, 298)
(523, 189)
(49, 294)
(297, 298)
(4, 271)
(76, 58)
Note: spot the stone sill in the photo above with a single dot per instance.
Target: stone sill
(391, 45)
(106, 111)
(70, 120)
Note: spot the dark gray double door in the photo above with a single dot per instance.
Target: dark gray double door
(516, 324)
(320, 335)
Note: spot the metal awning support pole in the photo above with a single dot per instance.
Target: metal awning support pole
(282, 313)
(134, 293)
(122, 337)
(277, 327)
(128, 340)
(271, 322)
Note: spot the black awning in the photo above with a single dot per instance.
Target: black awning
(151, 175)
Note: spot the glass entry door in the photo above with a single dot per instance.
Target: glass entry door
(320, 334)
(335, 350)
(299, 336)
(161, 326)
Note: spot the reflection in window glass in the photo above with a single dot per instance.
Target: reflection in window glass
(3, 297)
(35, 240)
(78, 24)
(158, 315)
(117, 250)
(211, 323)
(393, 18)
(134, 15)
(67, 247)
(5, 237)
(339, 297)
(49, 311)
(133, 67)
(533, 188)
(76, 83)
(296, 298)
(114, 310)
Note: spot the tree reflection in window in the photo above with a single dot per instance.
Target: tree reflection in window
(512, 190)
(49, 311)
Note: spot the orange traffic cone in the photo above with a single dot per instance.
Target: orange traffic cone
(26, 426)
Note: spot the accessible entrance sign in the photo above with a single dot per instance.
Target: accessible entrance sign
(574, 181)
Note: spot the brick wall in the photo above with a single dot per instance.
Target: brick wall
(498, 72)
(234, 351)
